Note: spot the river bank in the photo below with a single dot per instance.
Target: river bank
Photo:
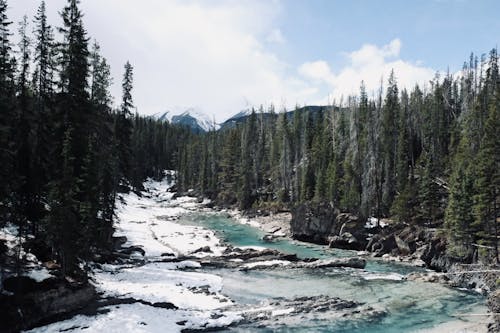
(479, 278)
(189, 268)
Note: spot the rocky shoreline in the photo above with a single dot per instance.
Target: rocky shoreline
(385, 240)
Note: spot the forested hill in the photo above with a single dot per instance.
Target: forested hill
(428, 156)
(65, 153)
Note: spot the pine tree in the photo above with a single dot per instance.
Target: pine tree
(389, 141)
(7, 111)
(459, 217)
(123, 126)
(487, 182)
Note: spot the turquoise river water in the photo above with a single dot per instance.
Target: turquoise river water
(410, 306)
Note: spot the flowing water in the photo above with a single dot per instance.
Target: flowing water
(410, 306)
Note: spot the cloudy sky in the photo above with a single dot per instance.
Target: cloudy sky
(222, 56)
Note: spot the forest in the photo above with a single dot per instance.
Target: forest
(427, 156)
(65, 151)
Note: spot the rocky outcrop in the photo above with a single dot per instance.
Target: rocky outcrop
(494, 306)
(313, 222)
(293, 312)
(30, 303)
(321, 223)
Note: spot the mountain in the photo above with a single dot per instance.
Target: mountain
(190, 117)
(243, 115)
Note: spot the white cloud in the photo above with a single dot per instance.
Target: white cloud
(189, 52)
(369, 64)
(317, 71)
(216, 55)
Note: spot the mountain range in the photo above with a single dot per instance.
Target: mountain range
(199, 122)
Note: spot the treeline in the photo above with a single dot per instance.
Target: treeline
(65, 153)
(425, 156)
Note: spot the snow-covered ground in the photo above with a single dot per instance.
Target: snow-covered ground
(148, 222)
(32, 267)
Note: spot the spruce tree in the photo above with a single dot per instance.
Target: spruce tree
(7, 111)
(389, 141)
(123, 126)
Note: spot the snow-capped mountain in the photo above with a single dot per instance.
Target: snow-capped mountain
(191, 117)
(241, 114)
(237, 118)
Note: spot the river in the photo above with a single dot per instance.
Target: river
(208, 297)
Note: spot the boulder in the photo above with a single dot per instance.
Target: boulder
(313, 222)
(204, 249)
(322, 223)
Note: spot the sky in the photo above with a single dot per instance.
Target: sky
(222, 56)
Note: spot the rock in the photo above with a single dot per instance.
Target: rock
(494, 307)
(20, 284)
(276, 313)
(323, 224)
(427, 277)
(402, 245)
(337, 262)
(51, 265)
(313, 222)
(42, 301)
(381, 245)
(131, 249)
(204, 249)
(344, 241)
(118, 242)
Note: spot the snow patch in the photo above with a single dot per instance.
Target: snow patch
(266, 263)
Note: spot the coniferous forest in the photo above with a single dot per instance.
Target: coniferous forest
(65, 152)
(428, 156)
(424, 160)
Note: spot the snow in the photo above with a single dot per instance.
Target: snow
(243, 220)
(162, 282)
(253, 247)
(267, 263)
(282, 312)
(33, 268)
(148, 221)
(203, 120)
(39, 274)
(373, 222)
(140, 318)
(382, 276)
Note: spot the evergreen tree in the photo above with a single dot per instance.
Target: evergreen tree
(487, 182)
(7, 112)
(389, 141)
(123, 126)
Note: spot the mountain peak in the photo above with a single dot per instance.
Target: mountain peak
(192, 117)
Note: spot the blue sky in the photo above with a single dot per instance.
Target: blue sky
(224, 55)
(439, 33)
